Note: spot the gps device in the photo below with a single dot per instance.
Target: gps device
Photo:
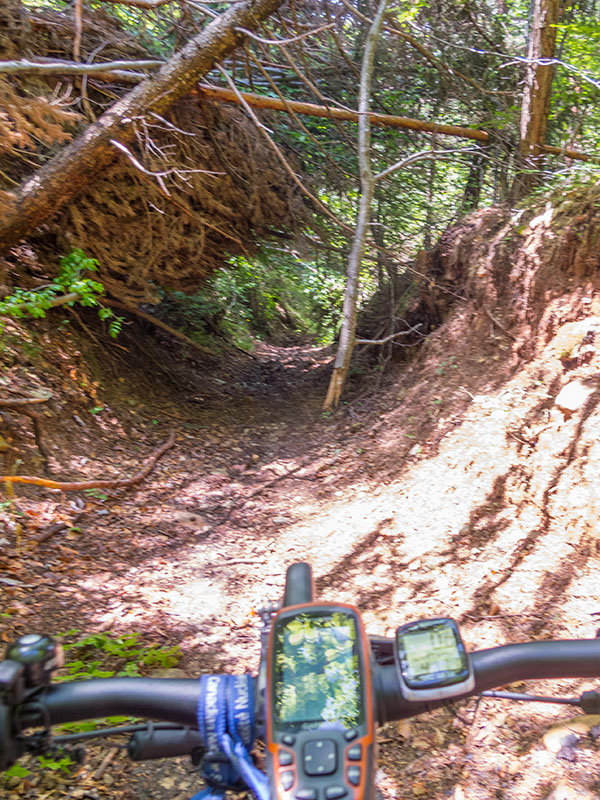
(432, 660)
(320, 708)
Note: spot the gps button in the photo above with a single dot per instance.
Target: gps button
(354, 753)
(354, 775)
(306, 794)
(320, 757)
(287, 780)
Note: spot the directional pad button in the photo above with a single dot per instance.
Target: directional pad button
(320, 757)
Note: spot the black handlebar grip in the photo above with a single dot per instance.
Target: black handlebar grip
(148, 744)
(298, 585)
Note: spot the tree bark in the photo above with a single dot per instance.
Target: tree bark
(67, 174)
(536, 97)
(367, 185)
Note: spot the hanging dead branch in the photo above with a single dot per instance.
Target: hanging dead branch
(278, 152)
(310, 109)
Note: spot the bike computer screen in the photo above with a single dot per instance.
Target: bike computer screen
(432, 660)
(317, 671)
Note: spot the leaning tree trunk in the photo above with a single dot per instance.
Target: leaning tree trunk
(536, 97)
(69, 172)
(367, 185)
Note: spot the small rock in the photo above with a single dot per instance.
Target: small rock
(565, 792)
(169, 672)
(561, 734)
(567, 752)
(572, 397)
(189, 518)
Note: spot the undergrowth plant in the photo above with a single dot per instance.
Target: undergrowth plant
(71, 280)
(97, 655)
(273, 295)
(104, 655)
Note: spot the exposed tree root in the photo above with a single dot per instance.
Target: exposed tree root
(77, 486)
(21, 405)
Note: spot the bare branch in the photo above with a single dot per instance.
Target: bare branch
(61, 300)
(158, 175)
(310, 109)
(148, 4)
(421, 156)
(78, 29)
(115, 483)
(411, 329)
(73, 68)
(285, 41)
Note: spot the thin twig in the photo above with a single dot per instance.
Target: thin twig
(284, 41)
(158, 175)
(78, 10)
(421, 156)
(413, 329)
(499, 324)
(15, 402)
(160, 324)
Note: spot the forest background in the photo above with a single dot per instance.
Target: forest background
(476, 104)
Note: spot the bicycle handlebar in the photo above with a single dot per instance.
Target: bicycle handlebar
(176, 700)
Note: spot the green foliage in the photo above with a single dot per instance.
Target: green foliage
(70, 280)
(446, 364)
(104, 655)
(274, 295)
(63, 764)
(97, 494)
(16, 771)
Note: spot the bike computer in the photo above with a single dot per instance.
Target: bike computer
(320, 715)
(432, 660)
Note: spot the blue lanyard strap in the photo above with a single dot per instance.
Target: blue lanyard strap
(227, 726)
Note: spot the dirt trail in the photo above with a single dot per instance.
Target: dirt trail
(462, 488)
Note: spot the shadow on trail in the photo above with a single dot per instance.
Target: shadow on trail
(481, 519)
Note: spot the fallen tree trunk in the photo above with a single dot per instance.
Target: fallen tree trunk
(69, 172)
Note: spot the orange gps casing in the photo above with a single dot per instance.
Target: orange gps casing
(322, 763)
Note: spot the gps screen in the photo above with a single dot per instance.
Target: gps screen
(317, 671)
(431, 651)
